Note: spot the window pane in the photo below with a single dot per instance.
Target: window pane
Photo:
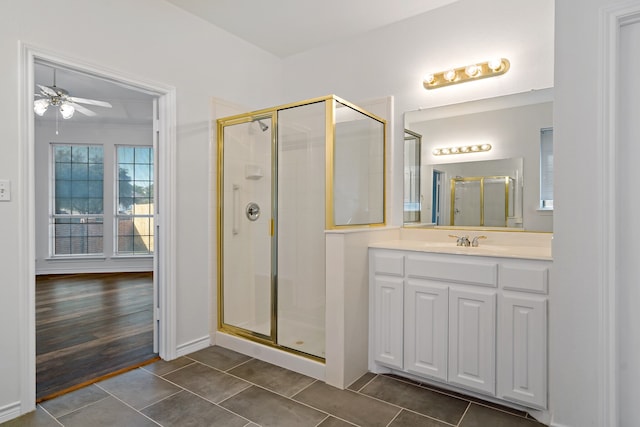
(63, 171)
(62, 153)
(143, 155)
(80, 154)
(125, 154)
(74, 236)
(135, 200)
(78, 191)
(546, 168)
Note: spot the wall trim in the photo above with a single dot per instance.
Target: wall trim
(26, 204)
(611, 19)
(193, 346)
(10, 411)
(86, 270)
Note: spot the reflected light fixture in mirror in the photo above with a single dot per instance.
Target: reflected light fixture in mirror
(465, 149)
(482, 70)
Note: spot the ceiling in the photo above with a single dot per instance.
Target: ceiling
(287, 27)
(282, 27)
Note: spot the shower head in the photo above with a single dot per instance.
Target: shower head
(263, 127)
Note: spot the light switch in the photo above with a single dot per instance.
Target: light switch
(5, 190)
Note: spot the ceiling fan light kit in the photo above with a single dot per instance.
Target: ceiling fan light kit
(58, 97)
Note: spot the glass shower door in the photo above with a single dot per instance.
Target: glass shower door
(247, 228)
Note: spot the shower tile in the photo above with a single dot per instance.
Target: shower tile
(411, 419)
(274, 378)
(188, 409)
(480, 416)
(107, 412)
(436, 405)
(71, 401)
(163, 367)
(207, 382)
(139, 388)
(219, 357)
(347, 405)
(269, 409)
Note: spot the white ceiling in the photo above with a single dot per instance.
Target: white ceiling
(287, 27)
(282, 27)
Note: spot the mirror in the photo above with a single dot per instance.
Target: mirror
(477, 187)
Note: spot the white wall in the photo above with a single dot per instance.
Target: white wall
(392, 61)
(153, 41)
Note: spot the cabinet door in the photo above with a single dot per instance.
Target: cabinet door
(472, 326)
(388, 320)
(522, 372)
(426, 307)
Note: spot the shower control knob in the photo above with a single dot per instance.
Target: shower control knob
(253, 211)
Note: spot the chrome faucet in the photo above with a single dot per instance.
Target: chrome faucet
(461, 240)
(474, 242)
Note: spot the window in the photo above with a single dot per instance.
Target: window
(135, 200)
(546, 169)
(78, 209)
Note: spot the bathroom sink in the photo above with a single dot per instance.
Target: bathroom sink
(484, 249)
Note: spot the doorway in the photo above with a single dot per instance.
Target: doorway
(164, 118)
(95, 234)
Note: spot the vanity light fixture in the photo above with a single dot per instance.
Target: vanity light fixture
(476, 148)
(482, 70)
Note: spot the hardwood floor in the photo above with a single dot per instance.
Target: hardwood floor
(89, 326)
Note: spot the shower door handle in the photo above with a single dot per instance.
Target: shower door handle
(236, 209)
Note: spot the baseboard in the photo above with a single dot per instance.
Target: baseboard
(277, 357)
(89, 270)
(193, 346)
(9, 412)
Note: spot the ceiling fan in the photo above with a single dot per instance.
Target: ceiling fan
(67, 104)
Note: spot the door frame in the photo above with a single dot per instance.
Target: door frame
(165, 126)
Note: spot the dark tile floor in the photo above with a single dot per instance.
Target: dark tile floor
(219, 387)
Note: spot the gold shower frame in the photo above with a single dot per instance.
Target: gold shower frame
(271, 113)
(481, 180)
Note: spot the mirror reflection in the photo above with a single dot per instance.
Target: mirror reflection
(450, 181)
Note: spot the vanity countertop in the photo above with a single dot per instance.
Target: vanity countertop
(488, 250)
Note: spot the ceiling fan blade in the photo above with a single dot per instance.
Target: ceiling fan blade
(80, 109)
(46, 90)
(90, 102)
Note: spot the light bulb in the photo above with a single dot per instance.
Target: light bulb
(429, 78)
(464, 149)
(485, 147)
(455, 150)
(472, 70)
(445, 151)
(475, 148)
(67, 111)
(436, 152)
(40, 106)
(495, 64)
(450, 75)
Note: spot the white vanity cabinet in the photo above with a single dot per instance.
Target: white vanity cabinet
(471, 322)
(388, 291)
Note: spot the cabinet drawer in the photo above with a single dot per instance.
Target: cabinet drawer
(461, 271)
(391, 263)
(525, 277)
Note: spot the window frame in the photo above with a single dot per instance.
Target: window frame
(117, 216)
(53, 215)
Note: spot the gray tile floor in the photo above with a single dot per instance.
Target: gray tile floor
(219, 387)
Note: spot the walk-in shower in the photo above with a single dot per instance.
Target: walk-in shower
(285, 175)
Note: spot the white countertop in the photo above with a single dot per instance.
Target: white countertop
(488, 250)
